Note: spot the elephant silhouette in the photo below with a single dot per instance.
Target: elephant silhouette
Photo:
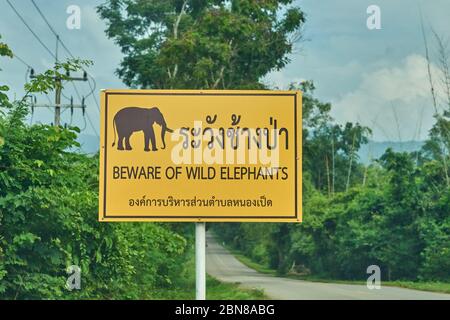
(133, 119)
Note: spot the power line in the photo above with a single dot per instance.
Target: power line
(43, 17)
(29, 67)
(26, 74)
(93, 79)
(92, 126)
(58, 38)
(68, 52)
(25, 64)
(92, 90)
(52, 30)
(21, 60)
(59, 41)
(31, 30)
(76, 90)
(48, 98)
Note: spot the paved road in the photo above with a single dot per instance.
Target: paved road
(225, 267)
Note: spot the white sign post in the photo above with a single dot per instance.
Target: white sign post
(264, 184)
(200, 261)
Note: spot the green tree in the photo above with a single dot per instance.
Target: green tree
(330, 150)
(48, 217)
(330, 166)
(209, 44)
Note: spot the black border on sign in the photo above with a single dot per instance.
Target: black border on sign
(295, 216)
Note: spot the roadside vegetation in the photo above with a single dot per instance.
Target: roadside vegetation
(48, 221)
(432, 286)
(393, 213)
(215, 290)
(49, 191)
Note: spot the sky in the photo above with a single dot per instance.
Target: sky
(375, 77)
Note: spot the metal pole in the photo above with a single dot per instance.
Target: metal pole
(58, 102)
(57, 89)
(200, 261)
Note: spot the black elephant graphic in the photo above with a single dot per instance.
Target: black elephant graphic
(133, 119)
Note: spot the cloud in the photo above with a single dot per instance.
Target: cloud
(395, 101)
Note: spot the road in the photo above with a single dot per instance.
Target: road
(225, 267)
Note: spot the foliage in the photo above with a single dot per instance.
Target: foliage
(5, 51)
(48, 217)
(201, 43)
(330, 149)
(45, 82)
(215, 290)
(48, 221)
(393, 213)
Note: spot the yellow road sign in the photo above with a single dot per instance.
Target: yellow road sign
(179, 155)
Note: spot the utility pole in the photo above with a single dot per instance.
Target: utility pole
(58, 91)
(58, 102)
(58, 80)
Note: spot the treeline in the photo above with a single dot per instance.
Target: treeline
(48, 195)
(49, 218)
(48, 221)
(394, 213)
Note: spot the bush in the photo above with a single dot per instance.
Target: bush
(49, 221)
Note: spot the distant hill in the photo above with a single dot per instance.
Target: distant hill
(372, 150)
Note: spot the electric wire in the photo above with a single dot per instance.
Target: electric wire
(43, 17)
(21, 60)
(58, 40)
(30, 29)
(92, 87)
(72, 56)
(54, 56)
